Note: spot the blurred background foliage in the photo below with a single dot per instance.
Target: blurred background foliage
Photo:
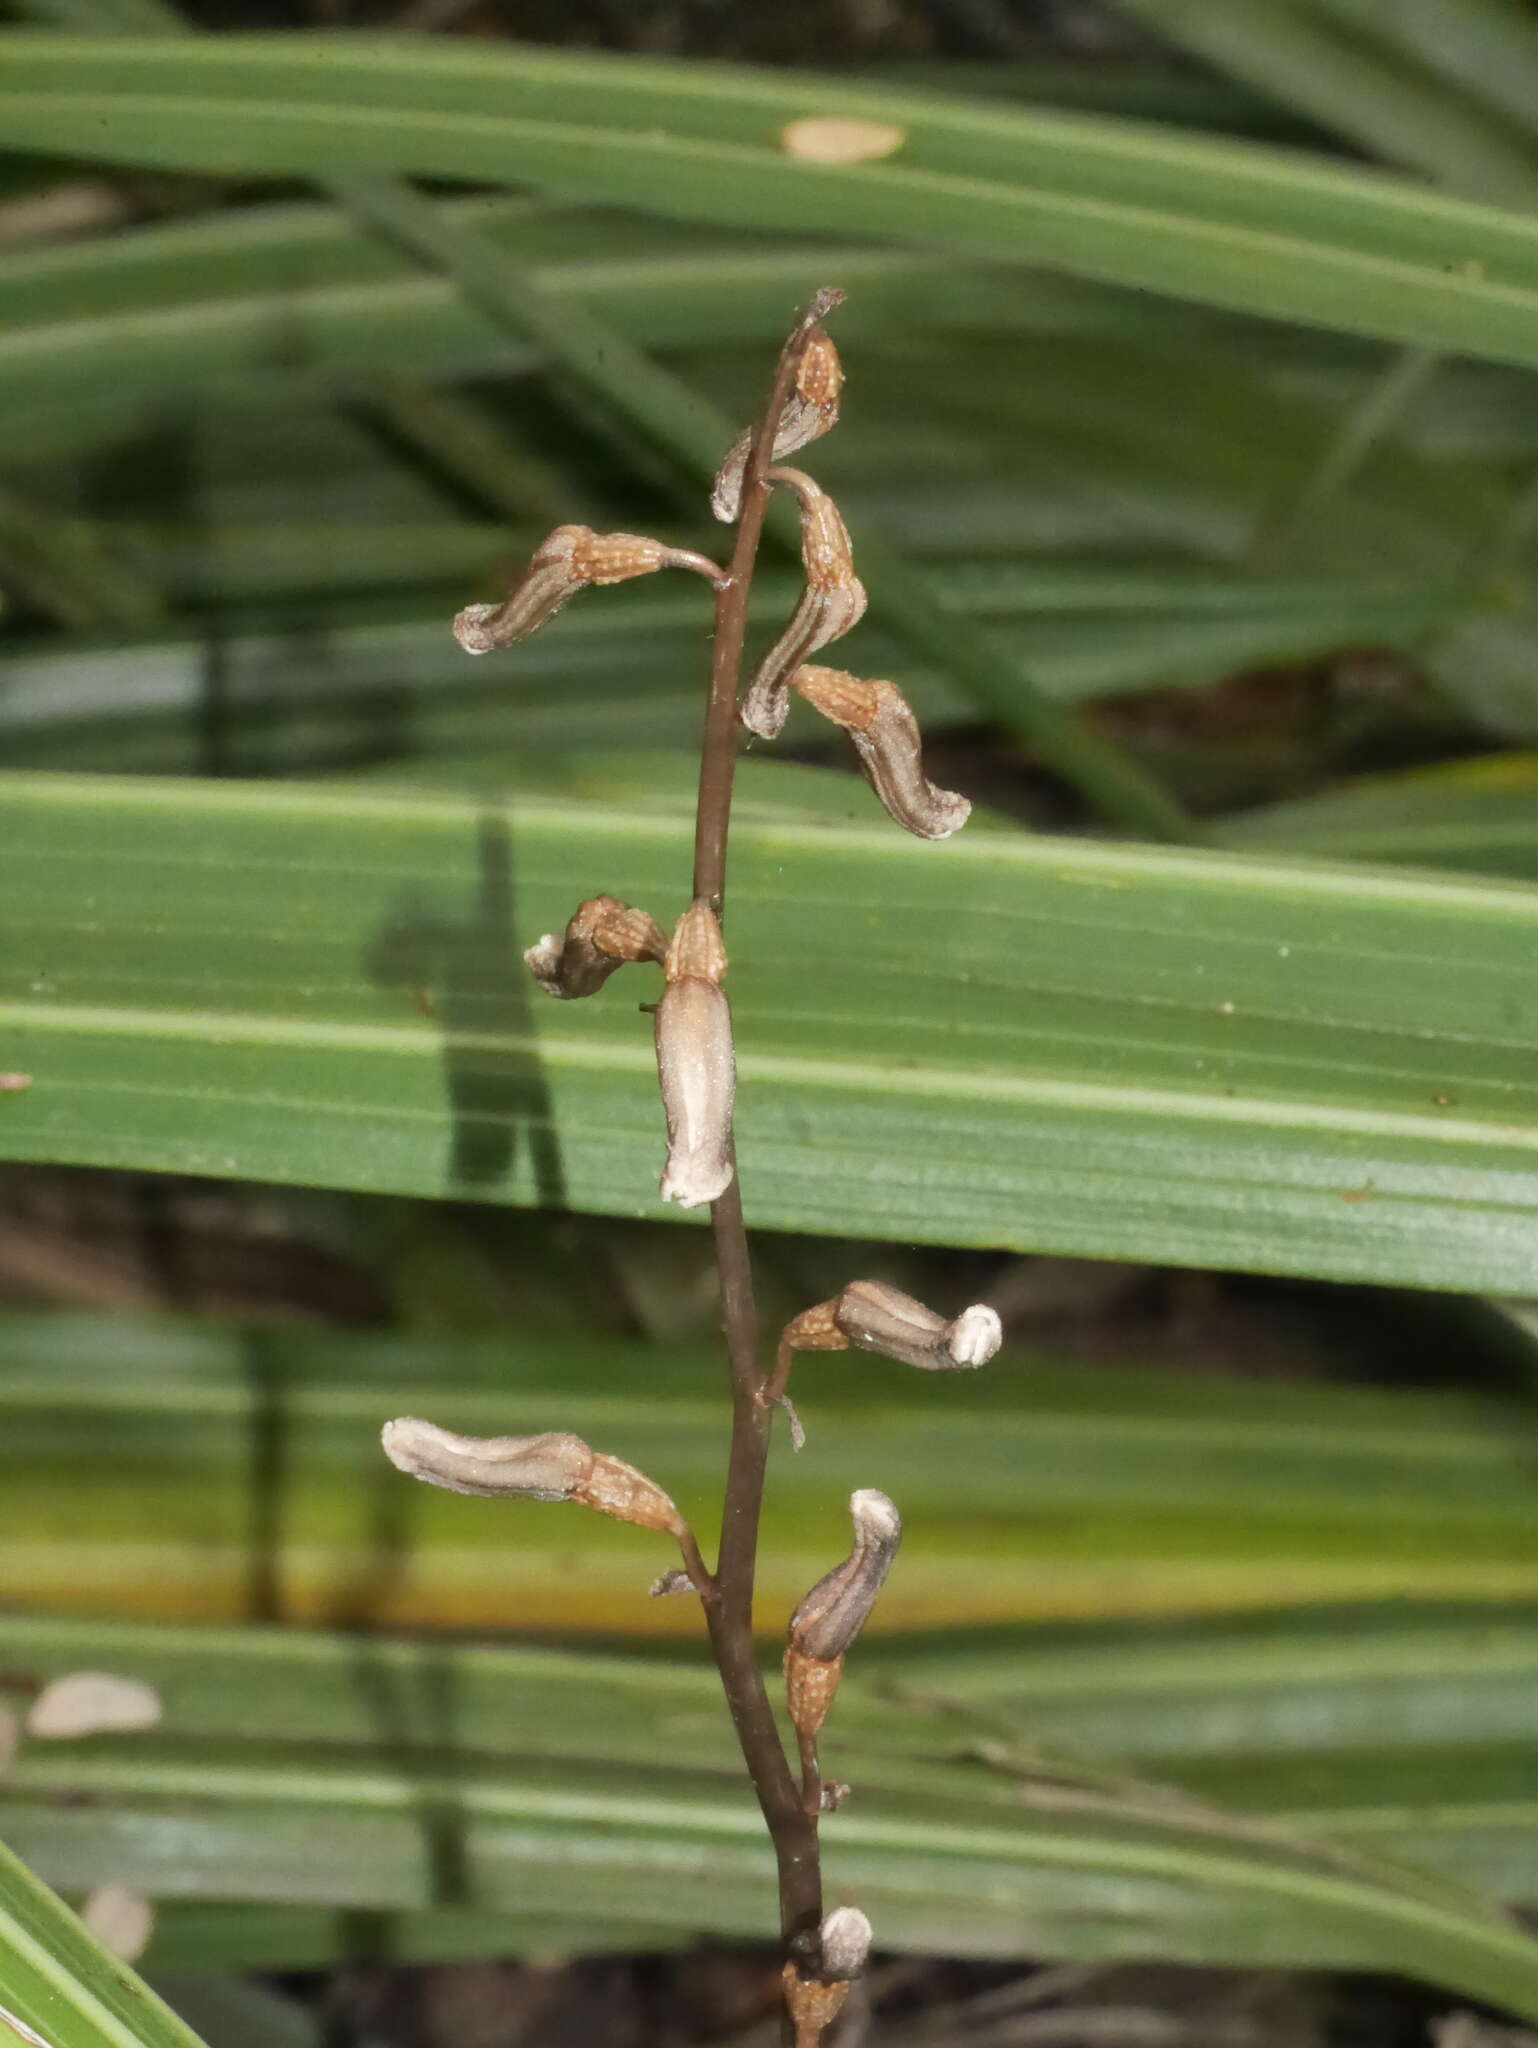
(1190, 453)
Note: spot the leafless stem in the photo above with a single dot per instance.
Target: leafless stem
(811, 1774)
(729, 1615)
(700, 1575)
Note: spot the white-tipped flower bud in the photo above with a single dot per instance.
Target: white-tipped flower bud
(549, 1467)
(832, 602)
(875, 1317)
(838, 1606)
(565, 562)
(696, 1062)
(602, 935)
(834, 1612)
(810, 410)
(880, 721)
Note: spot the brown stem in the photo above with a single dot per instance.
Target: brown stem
(729, 1615)
(811, 1774)
(700, 1575)
(718, 749)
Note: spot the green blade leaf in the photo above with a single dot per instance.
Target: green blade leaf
(526, 1817)
(58, 1987)
(1204, 1058)
(1223, 223)
(177, 1471)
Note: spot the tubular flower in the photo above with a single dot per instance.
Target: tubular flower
(880, 721)
(696, 1062)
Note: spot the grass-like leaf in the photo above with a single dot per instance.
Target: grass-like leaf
(1223, 223)
(1203, 1058)
(390, 1778)
(59, 1988)
(170, 1472)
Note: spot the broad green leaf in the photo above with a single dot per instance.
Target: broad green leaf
(177, 1472)
(383, 681)
(1203, 1058)
(58, 1988)
(1370, 90)
(1479, 814)
(386, 1778)
(164, 310)
(1221, 223)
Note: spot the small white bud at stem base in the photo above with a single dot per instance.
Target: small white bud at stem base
(846, 1936)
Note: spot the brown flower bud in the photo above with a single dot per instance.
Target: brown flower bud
(838, 1606)
(602, 935)
(875, 1317)
(565, 562)
(815, 1329)
(880, 721)
(813, 2006)
(810, 410)
(696, 1063)
(549, 1467)
(832, 602)
(614, 1488)
(811, 1686)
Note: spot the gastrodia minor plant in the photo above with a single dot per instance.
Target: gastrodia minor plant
(697, 1078)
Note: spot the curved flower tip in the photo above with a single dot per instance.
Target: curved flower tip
(833, 600)
(475, 628)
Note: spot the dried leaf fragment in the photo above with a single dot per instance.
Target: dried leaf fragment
(602, 935)
(841, 139)
(92, 1703)
(810, 411)
(566, 561)
(696, 1062)
(121, 1919)
(880, 721)
(833, 601)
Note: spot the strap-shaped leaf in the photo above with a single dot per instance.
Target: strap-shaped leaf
(1228, 224)
(1209, 1058)
(58, 1988)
